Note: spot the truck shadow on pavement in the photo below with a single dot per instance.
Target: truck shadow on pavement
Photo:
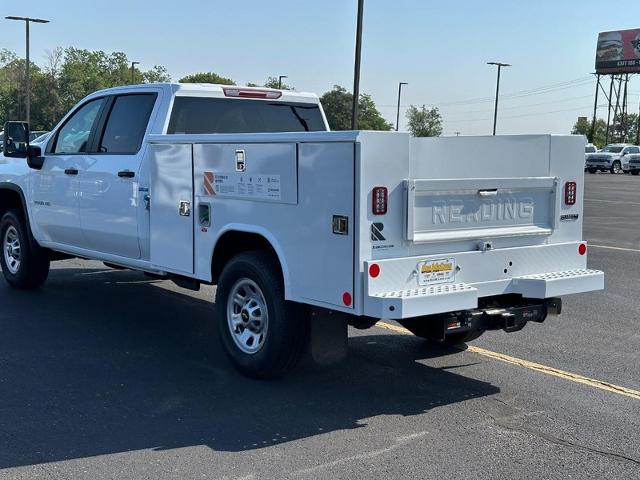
(102, 361)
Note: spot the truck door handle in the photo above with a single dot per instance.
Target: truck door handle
(491, 192)
(126, 174)
(71, 171)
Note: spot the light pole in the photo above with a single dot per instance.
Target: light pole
(27, 21)
(280, 77)
(398, 113)
(495, 113)
(356, 68)
(133, 70)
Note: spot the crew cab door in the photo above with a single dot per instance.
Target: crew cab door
(54, 188)
(109, 186)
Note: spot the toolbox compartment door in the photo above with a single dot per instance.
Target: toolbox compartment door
(171, 208)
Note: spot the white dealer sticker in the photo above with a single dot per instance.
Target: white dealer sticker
(432, 272)
(244, 185)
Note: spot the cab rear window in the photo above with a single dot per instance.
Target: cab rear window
(192, 115)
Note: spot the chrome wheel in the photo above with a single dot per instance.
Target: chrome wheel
(616, 167)
(11, 249)
(247, 316)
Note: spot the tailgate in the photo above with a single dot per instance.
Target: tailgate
(442, 210)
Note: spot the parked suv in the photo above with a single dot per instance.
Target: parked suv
(634, 163)
(613, 158)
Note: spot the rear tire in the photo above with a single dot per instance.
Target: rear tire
(263, 335)
(420, 328)
(24, 264)
(635, 172)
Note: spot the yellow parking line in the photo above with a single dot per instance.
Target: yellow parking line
(615, 248)
(574, 377)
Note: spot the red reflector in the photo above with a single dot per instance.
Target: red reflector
(582, 249)
(346, 299)
(379, 197)
(374, 270)
(250, 93)
(570, 189)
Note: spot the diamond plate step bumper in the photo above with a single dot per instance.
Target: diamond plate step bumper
(424, 300)
(555, 284)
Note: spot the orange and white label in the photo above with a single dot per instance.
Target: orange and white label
(208, 183)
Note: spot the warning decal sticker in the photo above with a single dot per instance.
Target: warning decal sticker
(243, 185)
(208, 183)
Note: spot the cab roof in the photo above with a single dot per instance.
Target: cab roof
(212, 90)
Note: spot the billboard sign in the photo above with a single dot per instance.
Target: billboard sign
(618, 52)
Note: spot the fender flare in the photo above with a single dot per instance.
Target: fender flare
(17, 189)
(269, 237)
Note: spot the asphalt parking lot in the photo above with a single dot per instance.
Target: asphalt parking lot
(107, 374)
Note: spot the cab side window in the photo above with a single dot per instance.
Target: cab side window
(127, 123)
(73, 137)
(633, 150)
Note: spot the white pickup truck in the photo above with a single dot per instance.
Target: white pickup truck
(302, 230)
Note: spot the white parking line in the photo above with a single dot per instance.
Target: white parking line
(615, 248)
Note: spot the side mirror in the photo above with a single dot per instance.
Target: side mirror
(16, 140)
(16, 144)
(35, 159)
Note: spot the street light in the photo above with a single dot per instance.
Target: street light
(133, 69)
(399, 93)
(356, 68)
(280, 81)
(27, 21)
(495, 113)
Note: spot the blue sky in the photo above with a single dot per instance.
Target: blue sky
(439, 47)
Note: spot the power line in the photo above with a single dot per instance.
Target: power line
(485, 119)
(550, 88)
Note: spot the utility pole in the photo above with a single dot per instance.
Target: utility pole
(399, 93)
(606, 136)
(27, 21)
(133, 71)
(280, 77)
(356, 68)
(638, 127)
(592, 133)
(495, 113)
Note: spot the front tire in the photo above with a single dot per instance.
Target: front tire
(592, 170)
(24, 264)
(616, 167)
(263, 335)
(635, 172)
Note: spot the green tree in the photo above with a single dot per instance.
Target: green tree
(207, 77)
(583, 127)
(424, 122)
(337, 105)
(68, 76)
(273, 82)
(157, 74)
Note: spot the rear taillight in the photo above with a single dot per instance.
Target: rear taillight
(379, 197)
(250, 93)
(570, 193)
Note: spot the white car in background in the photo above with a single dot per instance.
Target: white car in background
(588, 148)
(613, 158)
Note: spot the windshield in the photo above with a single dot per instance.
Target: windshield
(612, 149)
(221, 115)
